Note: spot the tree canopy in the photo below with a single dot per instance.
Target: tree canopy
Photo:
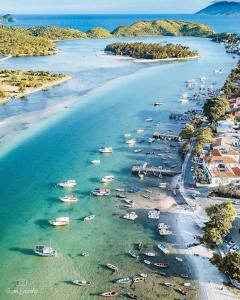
(215, 108)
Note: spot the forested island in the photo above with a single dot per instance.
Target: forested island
(141, 50)
(40, 40)
(15, 84)
(221, 8)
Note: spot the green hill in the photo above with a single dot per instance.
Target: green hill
(221, 8)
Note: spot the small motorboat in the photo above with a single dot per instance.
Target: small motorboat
(120, 190)
(95, 161)
(140, 131)
(89, 218)
(138, 280)
(110, 294)
(107, 179)
(124, 280)
(150, 254)
(187, 284)
(112, 267)
(101, 192)
(181, 291)
(179, 259)
(184, 275)
(165, 231)
(69, 198)
(43, 250)
(130, 202)
(121, 196)
(132, 296)
(132, 254)
(105, 150)
(140, 246)
(163, 274)
(148, 120)
(147, 262)
(130, 142)
(127, 135)
(137, 150)
(82, 282)
(168, 284)
(132, 216)
(61, 221)
(143, 275)
(71, 183)
(163, 226)
(161, 265)
(157, 103)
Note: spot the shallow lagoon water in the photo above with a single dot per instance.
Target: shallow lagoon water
(62, 150)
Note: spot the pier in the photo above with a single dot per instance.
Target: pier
(152, 170)
(168, 137)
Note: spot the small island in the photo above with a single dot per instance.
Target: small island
(17, 84)
(141, 50)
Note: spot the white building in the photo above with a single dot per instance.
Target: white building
(225, 126)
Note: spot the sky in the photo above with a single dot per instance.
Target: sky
(101, 6)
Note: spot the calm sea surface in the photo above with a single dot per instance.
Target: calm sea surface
(28, 173)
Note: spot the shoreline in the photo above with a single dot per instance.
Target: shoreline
(5, 58)
(34, 90)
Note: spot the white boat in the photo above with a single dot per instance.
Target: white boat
(147, 262)
(203, 79)
(112, 267)
(69, 198)
(140, 131)
(43, 250)
(82, 282)
(131, 142)
(181, 100)
(130, 202)
(163, 226)
(95, 161)
(143, 275)
(158, 103)
(164, 231)
(131, 216)
(127, 135)
(105, 150)
(150, 254)
(164, 248)
(61, 221)
(124, 280)
(108, 178)
(168, 284)
(120, 190)
(154, 214)
(86, 254)
(89, 218)
(179, 259)
(148, 119)
(151, 140)
(101, 192)
(137, 150)
(68, 184)
(187, 284)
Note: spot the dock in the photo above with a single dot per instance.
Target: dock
(153, 170)
(166, 137)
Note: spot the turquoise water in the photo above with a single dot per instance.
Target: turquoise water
(86, 22)
(62, 150)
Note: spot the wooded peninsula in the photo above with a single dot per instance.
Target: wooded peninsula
(141, 50)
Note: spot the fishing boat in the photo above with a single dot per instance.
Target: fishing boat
(138, 280)
(68, 183)
(137, 150)
(163, 247)
(86, 254)
(82, 282)
(110, 294)
(132, 296)
(95, 161)
(181, 291)
(105, 150)
(121, 196)
(44, 250)
(61, 221)
(143, 275)
(101, 192)
(124, 280)
(187, 284)
(69, 198)
(161, 265)
(132, 216)
(112, 267)
(179, 259)
(89, 218)
(150, 254)
(130, 142)
(132, 254)
(140, 246)
(168, 284)
(108, 178)
(147, 262)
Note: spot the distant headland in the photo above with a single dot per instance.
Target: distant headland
(221, 8)
(7, 18)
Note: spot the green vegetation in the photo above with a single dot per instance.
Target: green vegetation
(163, 27)
(187, 132)
(56, 33)
(229, 264)
(150, 51)
(203, 136)
(99, 33)
(13, 83)
(219, 225)
(227, 191)
(215, 108)
(231, 87)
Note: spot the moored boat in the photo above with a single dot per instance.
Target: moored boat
(147, 262)
(127, 135)
(144, 275)
(137, 150)
(122, 196)
(61, 221)
(89, 218)
(105, 150)
(163, 247)
(112, 267)
(44, 250)
(82, 282)
(150, 254)
(130, 142)
(179, 259)
(69, 198)
(132, 216)
(101, 192)
(95, 161)
(86, 254)
(124, 280)
(161, 265)
(68, 183)
(138, 279)
(132, 296)
(168, 284)
(181, 291)
(130, 202)
(108, 178)
(132, 254)
(110, 294)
